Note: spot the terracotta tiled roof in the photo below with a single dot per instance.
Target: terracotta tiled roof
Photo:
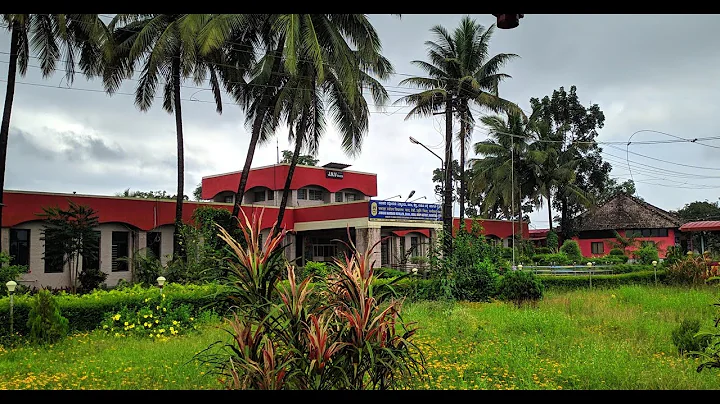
(626, 212)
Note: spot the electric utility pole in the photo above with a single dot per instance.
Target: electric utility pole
(448, 191)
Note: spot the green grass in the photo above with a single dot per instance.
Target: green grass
(580, 340)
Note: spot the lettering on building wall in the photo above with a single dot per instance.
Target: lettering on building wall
(404, 210)
(334, 174)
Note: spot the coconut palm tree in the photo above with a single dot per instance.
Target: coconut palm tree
(503, 174)
(166, 47)
(330, 79)
(78, 38)
(460, 74)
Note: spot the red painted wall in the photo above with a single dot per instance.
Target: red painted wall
(22, 207)
(331, 212)
(500, 228)
(661, 242)
(274, 178)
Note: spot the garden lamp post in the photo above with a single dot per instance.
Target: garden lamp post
(655, 271)
(161, 282)
(589, 265)
(11, 290)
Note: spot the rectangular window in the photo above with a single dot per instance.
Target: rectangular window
(153, 242)
(324, 250)
(19, 247)
(54, 256)
(338, 197)
(402, 247)
(259, 196)
(302, 193)
(633, 233)
(315, 195)
(228, 199)
(120, 250)
(646, 232)
(271, 195)
(659, 233)
(415, 246)
(350, 197)
(91, 258)
(597, 247)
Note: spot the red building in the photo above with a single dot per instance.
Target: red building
(627, 216)
(325, 203)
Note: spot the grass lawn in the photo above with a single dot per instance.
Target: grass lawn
(617, 339)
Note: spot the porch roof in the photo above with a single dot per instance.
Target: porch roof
(705, 225)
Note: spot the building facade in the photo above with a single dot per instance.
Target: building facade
(328, 205)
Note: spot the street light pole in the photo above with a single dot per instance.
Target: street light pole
(11, 290)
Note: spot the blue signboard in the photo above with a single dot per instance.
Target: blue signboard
(404, 210)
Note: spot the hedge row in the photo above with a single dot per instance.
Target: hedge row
(86, 312)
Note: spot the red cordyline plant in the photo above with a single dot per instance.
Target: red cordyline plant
(287, 335)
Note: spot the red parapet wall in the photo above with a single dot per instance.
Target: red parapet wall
(499, 228)
(145, 214)
(273, 177)
(351, 210)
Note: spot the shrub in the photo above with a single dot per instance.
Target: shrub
(45, 322)
(673, 254)
(571, 248)
(552, 241)
(520, 287)
(317, 270)
(551, 259)
(91, 279)
(617, 252)
(286, 336)
(478, 283)
(418, 260)
(543, 250)
(646, 254)
(692, 270)
(383, 273)
(9, 272)
(685, 339)
(158, 318)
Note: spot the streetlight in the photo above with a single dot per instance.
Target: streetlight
(655, 271)
(446, 203)
(442, 162)
(396, 196)
(508, 21)
(161, 282)
(589, 265)
(410, 196)
(11, 290)
(417, 199)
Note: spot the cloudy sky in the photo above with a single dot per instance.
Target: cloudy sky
(646, 72)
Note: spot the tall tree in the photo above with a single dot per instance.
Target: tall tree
(460, 73)
(502, 173)
(254, 48)
(303, 159)
(329, 75)
(576, 128)
(167, 48)
(72, 37)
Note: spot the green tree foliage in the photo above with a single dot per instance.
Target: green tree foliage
(166, 47)
(553, 241)
(69, 235)
(68, 38)
(646, 254)
(47, 325)
(576, 127)
(9, 272)
(127, 193)
(571, 248)
(520, 287)
(197, 193)
(303, 160)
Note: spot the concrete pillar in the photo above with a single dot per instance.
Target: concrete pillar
(5, 237)
(290, 246)
(395, 251)
(141, 243)
(366, 237)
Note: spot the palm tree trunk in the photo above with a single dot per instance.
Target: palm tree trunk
(5, 128)
(256, 129)
(463, 129)
(549, 209)
(177, 237)
(291, 171)
(447, 198)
